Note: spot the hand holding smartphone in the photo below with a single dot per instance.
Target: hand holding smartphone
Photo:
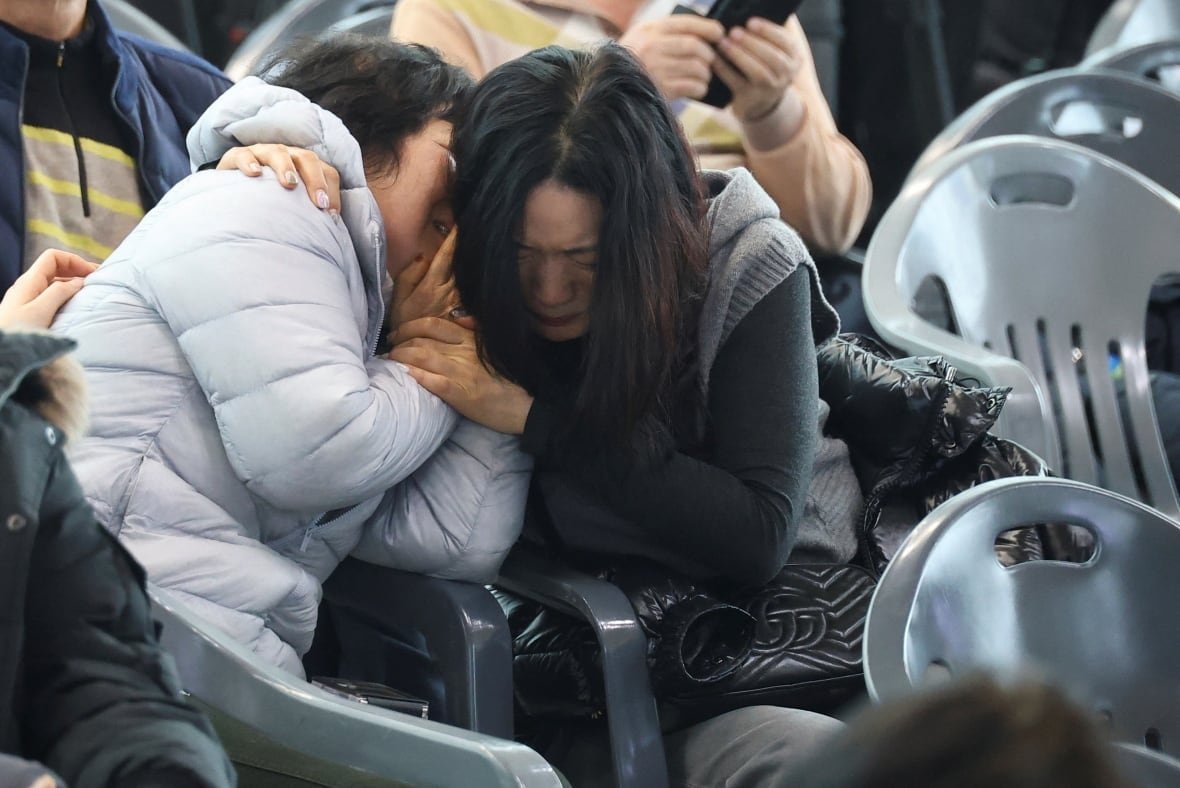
(732, 13)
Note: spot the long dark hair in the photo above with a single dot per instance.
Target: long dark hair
(595, 122)
(383, 91)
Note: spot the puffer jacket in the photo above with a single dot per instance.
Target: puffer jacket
(85, 687)
(245, 438)
(916, 437)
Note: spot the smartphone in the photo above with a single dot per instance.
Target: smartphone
(731, 13)
(374, 694)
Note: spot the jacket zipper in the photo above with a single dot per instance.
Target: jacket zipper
(82, 185)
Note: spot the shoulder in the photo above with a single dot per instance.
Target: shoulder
(172, 68)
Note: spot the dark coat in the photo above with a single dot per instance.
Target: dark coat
(157, 95)
(84, 686)
(916, 437)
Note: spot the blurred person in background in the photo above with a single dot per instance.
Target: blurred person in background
(778, 124)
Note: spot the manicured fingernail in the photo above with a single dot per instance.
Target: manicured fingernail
(254, 167)
(458, 312)
(321, 199)
(291, 177)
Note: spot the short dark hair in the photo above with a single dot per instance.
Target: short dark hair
(972, 733)
(595, 122)
(383, 91)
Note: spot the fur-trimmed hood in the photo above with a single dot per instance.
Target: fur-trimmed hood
(37, 371)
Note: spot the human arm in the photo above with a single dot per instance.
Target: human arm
(429, 23)
(817, 177)
(102, 703)
(36, 296)
(735, 513)
(267, 311)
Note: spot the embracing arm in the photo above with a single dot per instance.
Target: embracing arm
(267, 321)
(738, 513)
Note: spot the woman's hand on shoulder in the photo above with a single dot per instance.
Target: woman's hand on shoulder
(442, 356)
(290, 165)
(36, 296)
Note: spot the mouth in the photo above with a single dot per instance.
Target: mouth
(554, 322)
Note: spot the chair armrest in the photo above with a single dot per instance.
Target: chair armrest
(637, 745)
(226, 676)
(443, 640)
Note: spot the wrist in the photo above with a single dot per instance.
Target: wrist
(778, 126)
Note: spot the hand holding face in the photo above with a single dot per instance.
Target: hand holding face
(677, 52)
(291, 165)
(441, 355)
(762, 67)
(426, 288)
(36, 296)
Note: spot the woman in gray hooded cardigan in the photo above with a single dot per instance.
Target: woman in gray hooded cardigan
(245, 437)
(652, 338)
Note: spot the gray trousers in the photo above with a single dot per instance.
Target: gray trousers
(756, 747)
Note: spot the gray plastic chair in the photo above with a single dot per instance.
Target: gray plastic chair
(1047, 251)
(323, 739)
(1130, 23)
(373, 22)
(1158, 62)
(1146, 768)
(296, 18)
(637, 746)
(1106, 630)
(1131, 120)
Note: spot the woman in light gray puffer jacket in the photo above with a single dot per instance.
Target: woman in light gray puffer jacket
(245, 436)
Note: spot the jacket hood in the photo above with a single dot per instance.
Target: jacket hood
(253, 112)
(736, 202)
(36, 371)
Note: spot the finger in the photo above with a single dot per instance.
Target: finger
(56, 295)
(689, 88)
(685, 47)
(241, 159)
(409, 277)
(311, 171)
(440, 266)
(775, 34)
(56, 263)
(775, 60)
(465, 320)
(438, 385)
(673, 70)
(432, 328)
(278, 158)
(689, 24)
(733, 78)
(753, 69)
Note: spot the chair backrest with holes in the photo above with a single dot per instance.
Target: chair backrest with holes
(1048, 252)
(1156, 62)
(1121, 116)
(1128, 23)
(1104, 630)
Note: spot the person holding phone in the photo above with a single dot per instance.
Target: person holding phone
(778, 124)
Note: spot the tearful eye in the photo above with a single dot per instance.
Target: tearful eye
(442, 228)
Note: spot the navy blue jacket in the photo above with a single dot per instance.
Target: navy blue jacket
(158, 94)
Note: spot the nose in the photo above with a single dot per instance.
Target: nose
(549, 284)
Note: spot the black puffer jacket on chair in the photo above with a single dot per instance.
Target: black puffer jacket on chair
(916, 437)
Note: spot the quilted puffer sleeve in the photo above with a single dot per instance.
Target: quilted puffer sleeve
(268, 307)
(459, 514)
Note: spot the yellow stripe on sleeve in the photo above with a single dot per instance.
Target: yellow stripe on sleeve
(78, 241)
(102, 150)
(71, 189)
